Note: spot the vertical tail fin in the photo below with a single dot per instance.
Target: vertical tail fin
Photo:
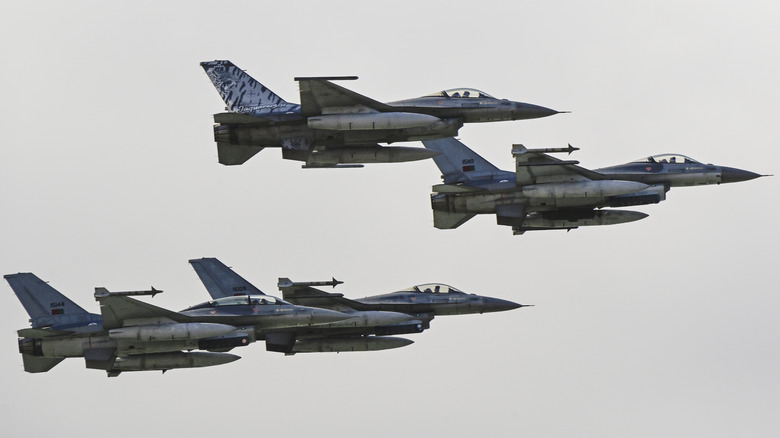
(459, 164)
(222, 281)
(242, 93)
(46, 306)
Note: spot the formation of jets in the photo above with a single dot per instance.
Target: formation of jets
(336, 127)
(133, 335)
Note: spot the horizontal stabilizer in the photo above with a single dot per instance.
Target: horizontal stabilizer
(238, 119)
(42, 333)
(455, 188)
(37, 364)
(231, 155)
(445, 220)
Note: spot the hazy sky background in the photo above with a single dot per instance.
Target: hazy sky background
(666, 326)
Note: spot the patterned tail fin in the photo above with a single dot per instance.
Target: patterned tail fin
(242, 93)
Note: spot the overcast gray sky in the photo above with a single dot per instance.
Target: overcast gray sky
(666, 326)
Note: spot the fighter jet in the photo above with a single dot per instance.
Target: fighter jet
(424, 300)
(130, 335)
(362, 330)
(546, 193)
(336, 127)
(421, 303)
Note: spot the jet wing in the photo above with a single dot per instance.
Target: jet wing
(535, 166)
(319, 94)
(313, 297)
(122, 311)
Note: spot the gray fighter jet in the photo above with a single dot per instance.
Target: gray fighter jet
(424, 300)
(131, 335)
(363, 330)
(421, 303)
(546, 193)
(336, 127)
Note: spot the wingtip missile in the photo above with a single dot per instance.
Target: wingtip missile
(519, 149)
(286, 282)
(101, 292)
(325, 78)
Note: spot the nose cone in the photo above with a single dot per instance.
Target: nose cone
(530, 111)
(731, 175)
(498, 305)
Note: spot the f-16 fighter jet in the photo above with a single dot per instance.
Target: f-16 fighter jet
(363, 330)
(419, 303)
(424, 300)
(336, 127)
(131, 335)
(545, 193)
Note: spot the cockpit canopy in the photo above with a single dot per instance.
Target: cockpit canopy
(667, 158)
(435, 288)
(242, 300)
(460, 93)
